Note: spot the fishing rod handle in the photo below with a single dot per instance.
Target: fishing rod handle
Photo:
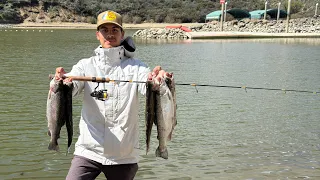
(84, 78)
(88, 78)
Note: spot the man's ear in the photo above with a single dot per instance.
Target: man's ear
(97, 35)
(122, 34)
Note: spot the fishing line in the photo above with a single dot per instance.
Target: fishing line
(246, 87)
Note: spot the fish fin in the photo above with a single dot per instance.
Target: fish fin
(49, 133)
(163, 154)
(148, 145)
(171, 132)
(49, 94)
(69, 125)
(169, 136)
(53, 146)
(68, 151)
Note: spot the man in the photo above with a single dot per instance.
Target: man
(109, 130)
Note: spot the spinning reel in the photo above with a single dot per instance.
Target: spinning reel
(101, 95)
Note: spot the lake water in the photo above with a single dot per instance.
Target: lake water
(222, 133)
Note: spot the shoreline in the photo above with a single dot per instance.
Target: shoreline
(65, 25)
(195, 34)
(247, 35)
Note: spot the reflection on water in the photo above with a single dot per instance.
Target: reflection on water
(222, 133)
(161, 41)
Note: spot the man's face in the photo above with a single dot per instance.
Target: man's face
(109, 35)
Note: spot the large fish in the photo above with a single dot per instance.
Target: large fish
(164, 117)
(59, 112)
(161, 111)
(172, 87)
(68, 87)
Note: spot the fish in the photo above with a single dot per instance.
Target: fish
(172, 87)
(149, 112)
(160, 111)
(164, 117)
(59, 112)
(68, 87)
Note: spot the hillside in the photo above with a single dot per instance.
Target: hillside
(133, 11)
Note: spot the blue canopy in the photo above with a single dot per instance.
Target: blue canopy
(259, 14)
(236, 13)
(213, 15)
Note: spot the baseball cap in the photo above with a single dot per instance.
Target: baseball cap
(109, 17)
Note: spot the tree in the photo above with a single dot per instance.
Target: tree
(295, 7)
(9, 15)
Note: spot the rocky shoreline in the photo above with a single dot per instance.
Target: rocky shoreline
(303, 25)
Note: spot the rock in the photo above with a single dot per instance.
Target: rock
(302, 25)
(5, 26)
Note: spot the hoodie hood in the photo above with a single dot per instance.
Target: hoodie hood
(110, 56)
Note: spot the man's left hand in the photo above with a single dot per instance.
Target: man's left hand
(158, 73)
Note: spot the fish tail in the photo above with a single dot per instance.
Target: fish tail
(53, 146)
(70, 133)
(148, 147)
(163, 153)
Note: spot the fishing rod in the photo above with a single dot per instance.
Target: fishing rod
(108, 80)
(247, 87)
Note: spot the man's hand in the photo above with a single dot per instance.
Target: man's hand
(60, 72)
(158, 73)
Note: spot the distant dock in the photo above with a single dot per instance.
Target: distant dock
(222, 35)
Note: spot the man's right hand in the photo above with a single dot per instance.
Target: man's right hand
(59, 73)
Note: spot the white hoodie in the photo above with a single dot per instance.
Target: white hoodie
(109, 130)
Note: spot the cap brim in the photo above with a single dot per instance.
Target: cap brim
(108, 22)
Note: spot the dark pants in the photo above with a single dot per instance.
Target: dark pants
(86, 169)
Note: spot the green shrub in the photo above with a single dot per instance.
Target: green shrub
(169, 19)
(159, 16)
(53, 11)
(91, 20)
(295, 7)
(126, 18)
(9, 14)
(137, 20)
